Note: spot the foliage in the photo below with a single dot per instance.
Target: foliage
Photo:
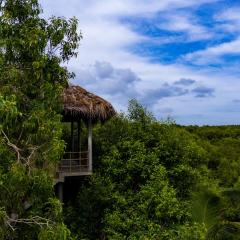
(32, 77)
(152, 180)
(219, 213)
(145, 174)
(158, 180)
(223, 145)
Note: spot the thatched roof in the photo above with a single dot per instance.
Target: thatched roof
(81, 104)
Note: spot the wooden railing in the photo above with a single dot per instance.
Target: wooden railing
(74, 162)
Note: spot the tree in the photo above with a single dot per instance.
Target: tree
(32, 77)
(145, 173)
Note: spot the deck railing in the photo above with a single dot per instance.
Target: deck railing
(74, 162)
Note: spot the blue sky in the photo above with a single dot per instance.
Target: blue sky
(180, 58)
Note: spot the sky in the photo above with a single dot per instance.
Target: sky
(178, 58)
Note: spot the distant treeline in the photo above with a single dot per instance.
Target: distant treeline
(223, 146)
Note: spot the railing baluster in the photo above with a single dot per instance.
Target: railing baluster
(74, 162)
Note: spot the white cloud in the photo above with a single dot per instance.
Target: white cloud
(229, 20)
(115, 7)
(106, 66)
(186, 23)
(115, 83)
(213, 54)
(230, 14)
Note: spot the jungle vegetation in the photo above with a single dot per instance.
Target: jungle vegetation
(152, 179)
(159, 180)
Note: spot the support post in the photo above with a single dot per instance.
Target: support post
(78, 141)
(90, 145)
(79, 144)
(72, 137)
(60, 191)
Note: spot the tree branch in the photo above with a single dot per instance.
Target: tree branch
(36, 220)
(15, 148)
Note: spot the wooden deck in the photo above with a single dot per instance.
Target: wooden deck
(73, 164)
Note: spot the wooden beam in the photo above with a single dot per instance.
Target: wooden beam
(90, 145)
(60, 191)
(72, 137)
(78, 137)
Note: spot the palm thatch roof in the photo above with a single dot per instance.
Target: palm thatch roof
(81, 104)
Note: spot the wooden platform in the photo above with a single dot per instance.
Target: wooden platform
(73, 164)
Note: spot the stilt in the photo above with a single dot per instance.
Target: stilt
(78, 136)
(90, 145)
(72, 136)
(60, 191)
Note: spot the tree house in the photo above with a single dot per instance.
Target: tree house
(80, 107)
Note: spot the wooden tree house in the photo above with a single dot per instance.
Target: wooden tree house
(81, 107)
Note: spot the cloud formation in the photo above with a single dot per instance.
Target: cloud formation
(185, 82)
(113, 83)
(166, 91)
(203, 92)
(229, 19)
(187, 24)
(127, 59)
(214, 54)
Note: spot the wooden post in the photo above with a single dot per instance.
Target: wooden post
(60, 191)
(72, 137)
(78, 142)
(90, 145)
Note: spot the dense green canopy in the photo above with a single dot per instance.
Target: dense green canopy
(31, 81)
(152, 180)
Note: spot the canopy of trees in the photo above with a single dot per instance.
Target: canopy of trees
(31, 79)
(152, 180)
(158, 180)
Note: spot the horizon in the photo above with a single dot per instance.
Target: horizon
(178, 58)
